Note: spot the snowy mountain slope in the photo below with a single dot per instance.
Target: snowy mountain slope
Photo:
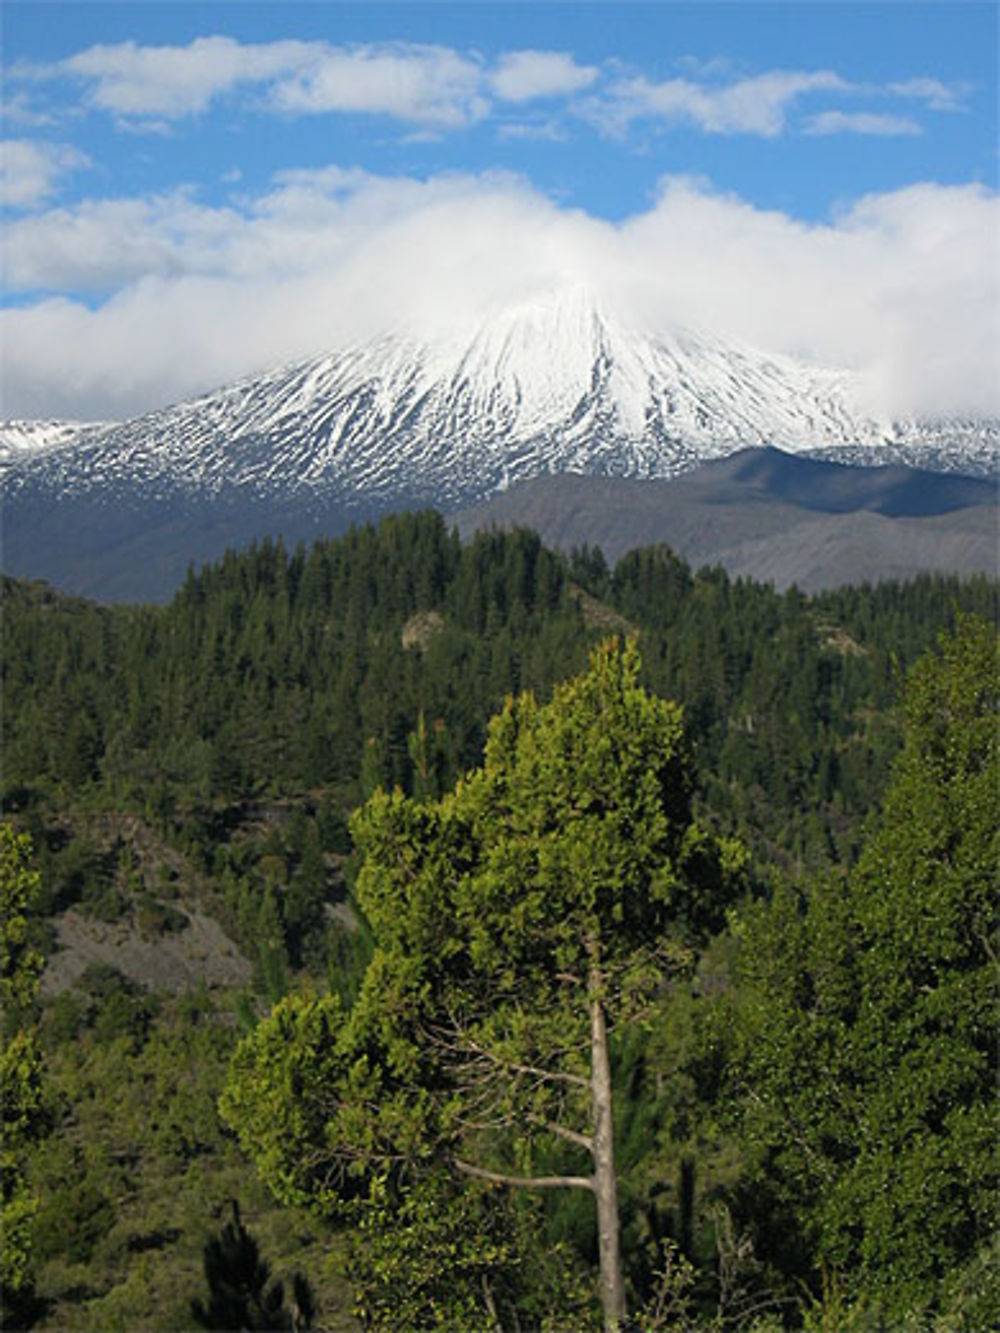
(19, 439)
(553, 384)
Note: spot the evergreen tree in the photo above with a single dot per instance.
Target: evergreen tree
(241, 1295)
(21, 1102)
(517, 920)
(868, 1016)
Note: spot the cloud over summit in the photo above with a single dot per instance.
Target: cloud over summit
(902, 286)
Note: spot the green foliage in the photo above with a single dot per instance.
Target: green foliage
(577, 825)
(140, 1166)
(569, 861)
(670, 1305)
(277, 674)
(278, 1094)
(22, 1116)
(435, 1255)
(115, 1007)
(869, 1051)
(209, 752)
(19, 886)
(73, 1222)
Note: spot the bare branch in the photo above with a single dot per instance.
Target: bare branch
(490, 1303)
(544, 1075)
(562, 1132)
(525, 1182)
(457, 1040)
(498, 1120)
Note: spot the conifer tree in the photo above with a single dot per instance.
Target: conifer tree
(517, 921)
(241, 1295)
(867, 1015)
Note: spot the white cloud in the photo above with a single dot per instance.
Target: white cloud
(101, 246)
(153, 85)
(30, 170)
(425, 85)
(757, 105)
(420, 84)
(17, 109)
(171, 81)
(903, 286)
(937, 95)
(522, 76)
(544, 131)
(861, 122)
(149, 85)
(435, 88)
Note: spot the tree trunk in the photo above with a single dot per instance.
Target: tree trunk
(605, 1180)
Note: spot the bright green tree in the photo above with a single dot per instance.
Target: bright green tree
(20, 1062)
(517, 921)
(868, 1016)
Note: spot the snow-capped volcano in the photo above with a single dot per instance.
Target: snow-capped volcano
(555, 383)
(551, 384)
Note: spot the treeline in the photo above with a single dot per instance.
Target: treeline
(377, 658)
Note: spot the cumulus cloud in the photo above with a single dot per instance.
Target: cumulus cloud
(425, 85)
(901, 286)
(18, 109)
(31, 170)
(861, 122)
(170, 81)
(757, 105)
(522, 76)
(152, 85)
(435, 87)
(99, 246)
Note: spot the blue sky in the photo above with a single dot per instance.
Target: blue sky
(198, 190)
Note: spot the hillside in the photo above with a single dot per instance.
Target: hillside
(186, 774)
(770, 516)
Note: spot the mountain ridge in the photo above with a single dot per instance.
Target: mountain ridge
(774, 517)
(553, 384)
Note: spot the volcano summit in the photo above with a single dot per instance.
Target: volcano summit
(554, 383)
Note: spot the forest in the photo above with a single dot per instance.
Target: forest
(402, 933)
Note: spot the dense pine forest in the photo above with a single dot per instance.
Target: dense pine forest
(295, 882)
